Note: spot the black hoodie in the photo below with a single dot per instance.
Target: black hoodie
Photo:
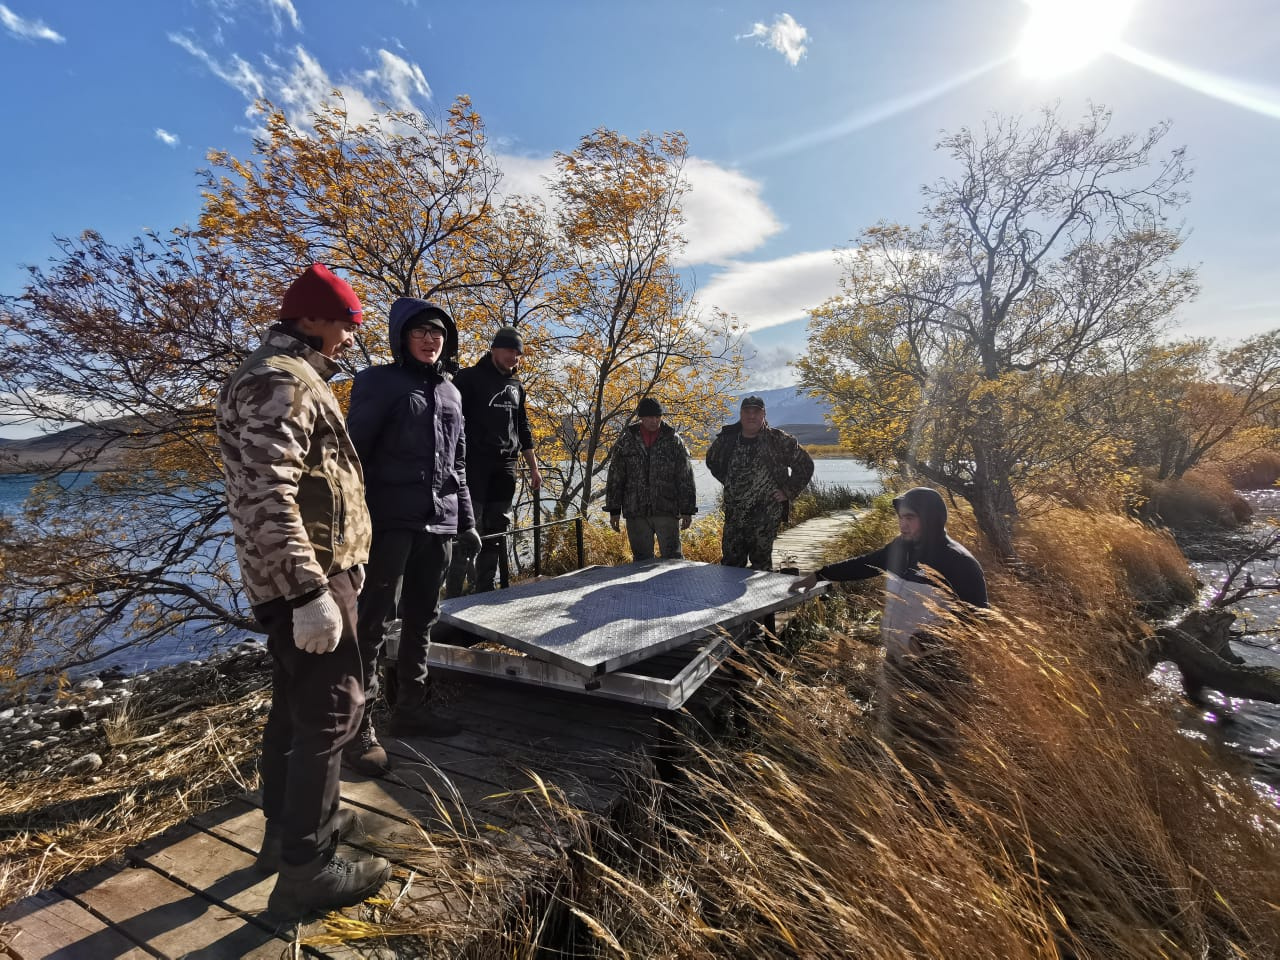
(493, 404)
(935, 550)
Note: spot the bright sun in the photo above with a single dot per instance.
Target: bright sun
(1063, 35)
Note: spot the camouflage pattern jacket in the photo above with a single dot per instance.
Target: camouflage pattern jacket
(652, 481)
(295, 491)
(788, 465)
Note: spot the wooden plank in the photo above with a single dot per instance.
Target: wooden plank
(224, 873)
(171, 920)
(50, 926)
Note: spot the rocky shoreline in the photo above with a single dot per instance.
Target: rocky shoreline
(94, 725)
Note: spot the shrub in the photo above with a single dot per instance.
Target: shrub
(1257, 470)
(1202, 496)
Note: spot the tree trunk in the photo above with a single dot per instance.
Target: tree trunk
(994, 511)
(1198, 645)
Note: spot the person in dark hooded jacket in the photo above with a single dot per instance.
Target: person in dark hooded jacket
(922, 543)
(406, 423)
(923, 686)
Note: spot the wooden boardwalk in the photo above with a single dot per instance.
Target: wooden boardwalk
(465, 821)
(805, 545)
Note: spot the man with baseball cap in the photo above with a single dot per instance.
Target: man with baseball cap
(295, 495)
(763, 469)
(493, 403)
(650, 483)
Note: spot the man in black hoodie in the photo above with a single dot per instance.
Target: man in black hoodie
(405, 421)
(493, 403)
(922, 546)
(923, 684)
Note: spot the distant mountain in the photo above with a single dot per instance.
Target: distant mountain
(107, 443)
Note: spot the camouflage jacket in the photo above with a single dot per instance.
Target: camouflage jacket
(786, 466)
(294, 487)
(652, 481)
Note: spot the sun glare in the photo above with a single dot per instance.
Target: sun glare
(1064, 35)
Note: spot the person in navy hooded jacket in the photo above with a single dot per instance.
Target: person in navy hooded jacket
(406, 423)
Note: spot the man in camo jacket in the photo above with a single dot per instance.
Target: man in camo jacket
(650, 483)
(295, 494)
(763, 469)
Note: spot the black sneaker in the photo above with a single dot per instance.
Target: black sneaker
(345, 824)
(328, 882)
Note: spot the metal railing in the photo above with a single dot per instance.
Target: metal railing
(504, 557)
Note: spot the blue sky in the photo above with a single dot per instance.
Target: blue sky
(807, 122)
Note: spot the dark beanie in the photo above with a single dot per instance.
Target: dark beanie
(508, 337)
(753, 401)
(321, 293)
(648, 407)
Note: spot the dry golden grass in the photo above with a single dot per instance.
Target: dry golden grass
(1075, 821)
(157, 773)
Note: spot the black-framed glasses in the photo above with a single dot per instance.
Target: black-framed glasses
(421, 333)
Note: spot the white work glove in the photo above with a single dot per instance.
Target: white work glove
(469, 541)
(317, 625)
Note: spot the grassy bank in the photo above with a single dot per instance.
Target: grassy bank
(1068, 817)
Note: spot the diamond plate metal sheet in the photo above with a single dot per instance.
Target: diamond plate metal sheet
(599, 619)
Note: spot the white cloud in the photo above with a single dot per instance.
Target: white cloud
(401, 79)
(772, 292)
(770, 367)
(235, 72)
(167, 138)
(283, 9)
(302, 86)
(784, 35)
(28, 29)
(525, 176)
(724, 215)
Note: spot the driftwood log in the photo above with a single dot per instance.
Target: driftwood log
(1199, 645)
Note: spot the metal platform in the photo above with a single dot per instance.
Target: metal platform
(582, 628)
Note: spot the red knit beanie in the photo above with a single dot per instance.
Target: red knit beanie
(320, 293)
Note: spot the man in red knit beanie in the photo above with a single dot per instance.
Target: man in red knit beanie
(295, 495)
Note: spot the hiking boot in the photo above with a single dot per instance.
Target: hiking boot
(364, 754)
(345, 824)
(328, 882)
(417, 720)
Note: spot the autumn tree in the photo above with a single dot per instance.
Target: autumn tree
(968, 351)
(401, 204)
(626, 324)
(1192, 398)
(127, 540)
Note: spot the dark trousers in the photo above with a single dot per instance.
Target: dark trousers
(748, 538)
(493, 488)
(317, 700)
(405, 573)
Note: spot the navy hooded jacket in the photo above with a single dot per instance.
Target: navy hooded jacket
(934, 549)
(405, 421)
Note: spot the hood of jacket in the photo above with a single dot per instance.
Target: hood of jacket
(928, 505)
(404, 310)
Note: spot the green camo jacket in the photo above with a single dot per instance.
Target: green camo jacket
(650, 482)
(788, 464)
(295, 491)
